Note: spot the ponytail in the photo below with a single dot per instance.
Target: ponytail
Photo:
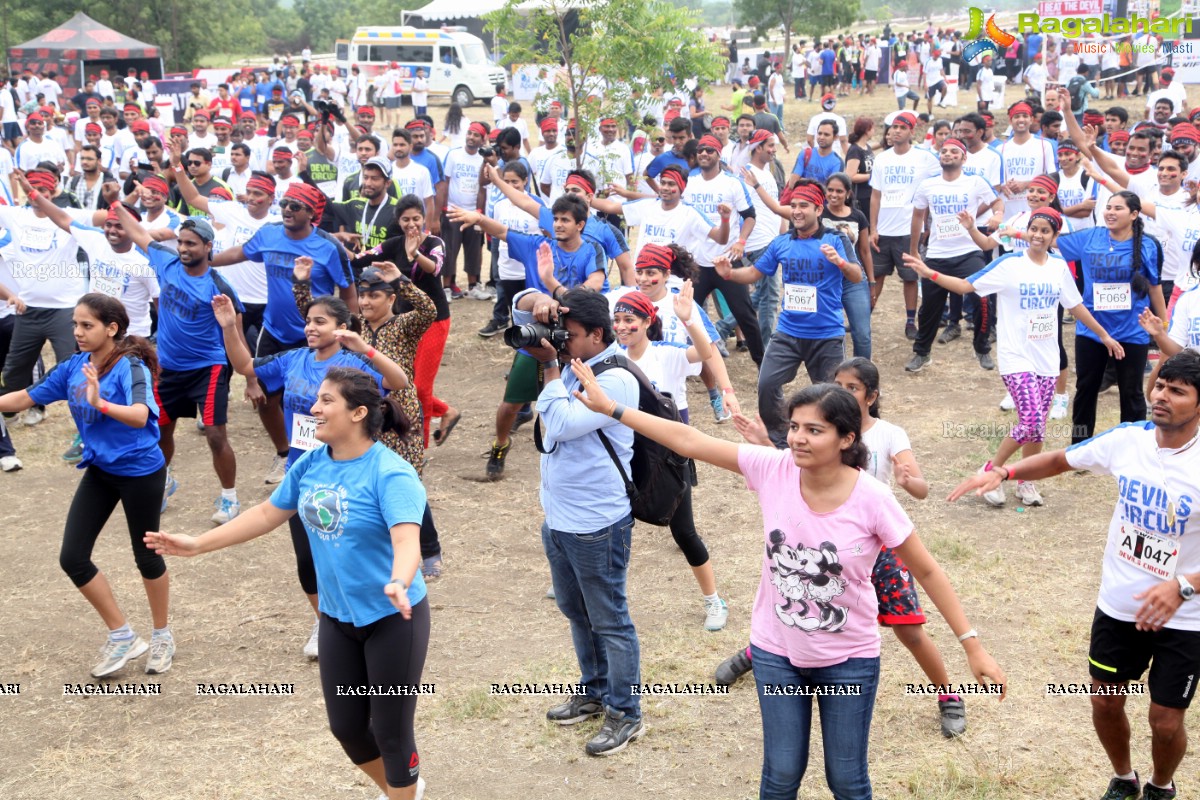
(110, 311)
(654, 330)
(1138, 282)
(358, 389)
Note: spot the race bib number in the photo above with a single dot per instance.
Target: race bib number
(800, 298)
(947, 228)
(1149, 553)
(304, 432)
(1042, 327)
(40, 239)
(894, 198)
(1111, 296)
(109, 283)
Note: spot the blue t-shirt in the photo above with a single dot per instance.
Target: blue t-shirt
(431, 163)
(348, 509)
(570, 269)
(1107, 269)
(665, 160)
(189, 336)
(112, 446)
(812, 285)
(299, 374)
(602, 233)
(828, 58)
(819, 167)
(272, 247)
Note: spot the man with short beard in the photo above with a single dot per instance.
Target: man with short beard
(409, 177)
(85, 187)
(199, 169)
(37, 147)
(201, 136)
(363, 221)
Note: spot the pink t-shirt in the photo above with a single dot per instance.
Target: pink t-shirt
(816, 605)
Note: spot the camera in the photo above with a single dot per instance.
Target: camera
(487, 152)
(531, 335)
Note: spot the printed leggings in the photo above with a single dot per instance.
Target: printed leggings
(1032, 394)
(426, 365)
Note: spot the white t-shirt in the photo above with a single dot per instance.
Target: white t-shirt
(933, 72)
(824, 116)
(1110, 58)
(944, 199)
(412, 179)
(506, 213)
(521, 125)
(1068, 63)
(30, 153)
(705, 195)
(1035, 75)
(610, 162)
(1146, 48)
(900, 82)
(126, 276)
(1028, 296)
(897, 177)
(987, 85)
(871, 58)
(42, 259)
(499, 108)
(1185, 320)
(766, 221)
(1173, 91)
(554, 172)
(775, 89)
(538, 158)
(799, 65)
(248, 278)
(1072, 192)
(682, 225)
(462, 171)
(666, 365)
(884, 440)
(420, 92)
(1143, 550)
(1178, 230)
(1023, 162)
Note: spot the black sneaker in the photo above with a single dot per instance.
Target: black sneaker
(495, 465)
(951, 333)
(954, 717)
(733, 668)
(491, 329)
(985, 360)
(577, 709)
(910, 331)
(1152, 792)
(617, 731)
(1121, 789)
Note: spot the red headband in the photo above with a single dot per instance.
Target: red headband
(290, 120)
(264, 183)
(637, 304)
(41, 179)
(281, 153)
(1185, 130)
(719, 122)
(655, 256)
(955, 143)
(93, 127)
(178, 131)
(1020, 108)
(112, 211)
(677, 174)
(709, 141)
(201, 114)
(549, 124)
(908, 119)
(608, 121)
(811, 192)
(581, 182)
(156, 184)
(761, 135)
(221, 192)
(414, 124)
(132, 107)
(364, 111)
(1093, 118)
(1050, 215)
(478, 127)
(671, 114)
(310, 196)
(1045, 182)
(1118, 136)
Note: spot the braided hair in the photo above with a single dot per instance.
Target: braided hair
(1138, 281)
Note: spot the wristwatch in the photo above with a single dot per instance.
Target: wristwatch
(1186, 590)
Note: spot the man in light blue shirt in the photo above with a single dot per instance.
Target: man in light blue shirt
(589, 524)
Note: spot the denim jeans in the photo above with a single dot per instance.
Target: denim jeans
(856, 302)
(588, 572)
(777, 110)
(787, 722)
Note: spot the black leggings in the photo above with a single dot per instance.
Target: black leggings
(737, 297)
(304, 559)
(95, 499)
(389, 652)
(1091, 358)
(430, 546)
(683, 528)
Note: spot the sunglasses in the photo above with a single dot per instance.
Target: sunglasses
(195, 163)
(293, 205)
(661, 139)
(706, 150)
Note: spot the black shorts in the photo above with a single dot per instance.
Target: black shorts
(870, 75)
(268, 345)
(940, 86)
(889, 257)
(1108, 73)
(180, 392)
(1119, 652)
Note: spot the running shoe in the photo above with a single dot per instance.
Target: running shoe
(226, 510)
(1122, 789)
(449, 293)
(116, 654)
(310, 647)
(32, 416)
(917, 363)
(495, 465)
(455, 292)
(996, 496)
(162, 650)
(491, 292)
(1007, 403)
(910, 331)
(721, 348)
(169, 488)
(477, 292)
(74, 453)
(716, 614)
(576, 709)
(985, 360)
(1058, 409)
(1152, 792)
(1028, 494)
(491, 329)
(720, 413)
(617, 731)
(951, 333)
(733, 668)
(523, 416)
(954, 717)
(10, 463)
(277, 471)
(431, 567)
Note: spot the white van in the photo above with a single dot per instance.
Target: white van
(457, 63)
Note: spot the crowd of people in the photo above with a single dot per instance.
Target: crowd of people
(295, 243)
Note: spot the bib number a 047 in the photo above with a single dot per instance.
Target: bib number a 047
(1151, 554)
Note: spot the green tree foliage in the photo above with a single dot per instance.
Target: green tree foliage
(639, 47)
(809, 17)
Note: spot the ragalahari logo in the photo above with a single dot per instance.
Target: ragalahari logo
(986, 38)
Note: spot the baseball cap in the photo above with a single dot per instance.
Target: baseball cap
(380, 163)
(201, 227)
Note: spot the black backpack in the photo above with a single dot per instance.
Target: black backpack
(1075, 89)
(659, 475)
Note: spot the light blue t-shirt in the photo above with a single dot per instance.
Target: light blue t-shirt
(348, 509)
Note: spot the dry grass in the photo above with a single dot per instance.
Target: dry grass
(1027, 579)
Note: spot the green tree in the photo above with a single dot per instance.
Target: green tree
(614, 54)
(811, 17)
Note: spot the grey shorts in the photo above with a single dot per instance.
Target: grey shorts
(889, 257)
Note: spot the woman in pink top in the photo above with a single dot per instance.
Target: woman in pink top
(813, 629)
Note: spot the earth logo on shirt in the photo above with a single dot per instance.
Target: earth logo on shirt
(987, 38)
(324, 510)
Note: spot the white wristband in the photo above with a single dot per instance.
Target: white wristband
(969, 634)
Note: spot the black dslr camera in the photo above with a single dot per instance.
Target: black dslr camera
(531, 335)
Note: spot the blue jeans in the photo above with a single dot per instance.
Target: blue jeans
(777, 110)
(856, 302)
(787, 720)
(588, 572)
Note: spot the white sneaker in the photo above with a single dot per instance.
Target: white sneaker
(717, 614)
(277, 471)
(32, 416)
(310, 647)
(996, 496)
(1058, 409)
(226, 510)
(491, 292)
(115, 655)
(162, 649)
(449, 293)
(1007, 403)
(1028, 494)
(10, 463)
(477, 292)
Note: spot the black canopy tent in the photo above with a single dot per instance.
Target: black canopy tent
(82, 46)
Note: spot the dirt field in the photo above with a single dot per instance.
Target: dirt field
(1027, 577)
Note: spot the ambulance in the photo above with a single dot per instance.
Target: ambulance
(457, 63)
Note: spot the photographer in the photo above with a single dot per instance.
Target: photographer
(588, 525)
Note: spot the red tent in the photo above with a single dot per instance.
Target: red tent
(82, 46)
